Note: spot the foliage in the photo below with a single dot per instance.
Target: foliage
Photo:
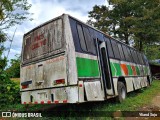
(13, 12)
(14, 70)
(137, 20)
(9, 91)
(152, 51)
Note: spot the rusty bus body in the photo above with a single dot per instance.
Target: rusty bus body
(59, 66)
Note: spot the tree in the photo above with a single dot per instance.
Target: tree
(137, 20)
(14, 69)
(12, 12)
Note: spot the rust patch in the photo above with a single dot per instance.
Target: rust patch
(55, 59)
(29, 67)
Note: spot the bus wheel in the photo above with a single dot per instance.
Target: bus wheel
(121, 92)
(148, 81)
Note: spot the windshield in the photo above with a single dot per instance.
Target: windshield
(43, 41)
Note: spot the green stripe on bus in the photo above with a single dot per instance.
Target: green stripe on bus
(130, 70)
(137, 70)
(113, 69)
(87, 67)
(116, 69)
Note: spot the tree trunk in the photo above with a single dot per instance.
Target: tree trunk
(140, 45)
(126, 38)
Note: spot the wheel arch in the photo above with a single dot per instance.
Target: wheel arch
(122, 79)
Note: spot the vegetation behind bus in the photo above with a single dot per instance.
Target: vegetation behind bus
(134, 22)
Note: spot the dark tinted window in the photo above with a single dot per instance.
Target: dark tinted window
(109, 47)
(129, 55)
(89, 40)
(145, 59)
(121, 52)
(134, 56)
(125, 52)
(137, 58)
(140, 58)
(104, 59)
(115, 49)
(81, 37)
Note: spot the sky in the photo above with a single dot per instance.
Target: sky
(44, 10)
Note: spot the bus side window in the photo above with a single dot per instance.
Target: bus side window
(121, 52)
(145, 59)
(109, 47)
(115, 49)
(89, 40)
(125, 53)
(81, 38)
(140, 58)
(27, 53)
(133, 56)
(130, 56)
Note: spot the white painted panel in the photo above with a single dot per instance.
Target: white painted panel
(93, 91)
(25, 97)
(60, 94)
(115, 80)
(129, 84)
(135, 83)
(72, 93)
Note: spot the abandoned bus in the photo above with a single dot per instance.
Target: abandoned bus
(67, 61)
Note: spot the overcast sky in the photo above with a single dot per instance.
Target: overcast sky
(44, 10)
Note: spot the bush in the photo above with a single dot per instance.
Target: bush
(14, 69)
(9, 91)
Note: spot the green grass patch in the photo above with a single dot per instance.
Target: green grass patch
(16, 80)
(134, 101)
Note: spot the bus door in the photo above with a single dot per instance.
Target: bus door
(105, 68)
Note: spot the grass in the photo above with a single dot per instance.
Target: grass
(134, 101)
(16, 80)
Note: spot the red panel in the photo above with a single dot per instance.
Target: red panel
(134, 70)
(49, 102)
(60, 81)
(56, 101)
(42, 102)
(35, 102)
(64, 101)
(24, 86)
(80, 85)
(124, 68)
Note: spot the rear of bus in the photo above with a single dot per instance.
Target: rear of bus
(45, 65)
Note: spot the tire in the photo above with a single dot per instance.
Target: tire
(148, 82)
(121, 88)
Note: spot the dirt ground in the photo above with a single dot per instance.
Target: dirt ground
(151, 111)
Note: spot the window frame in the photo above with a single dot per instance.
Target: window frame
(109, 47)
(115, 49)
(121, 52)
(85, 50)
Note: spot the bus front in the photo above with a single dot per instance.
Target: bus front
(44, 65)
